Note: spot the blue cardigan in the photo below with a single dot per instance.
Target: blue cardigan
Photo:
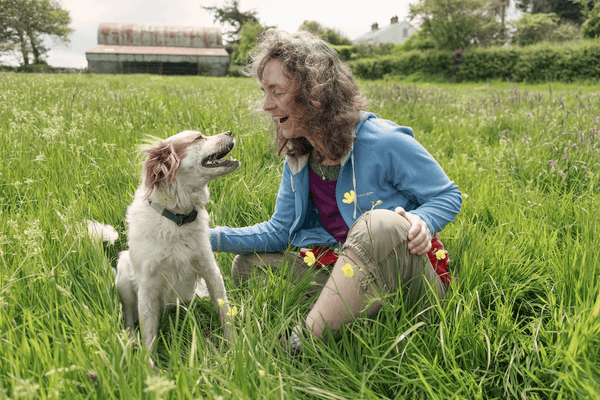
(385, 164)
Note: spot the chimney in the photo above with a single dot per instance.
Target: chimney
(394, 20)
(375, 26)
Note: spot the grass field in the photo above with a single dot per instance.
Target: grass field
(522, 321)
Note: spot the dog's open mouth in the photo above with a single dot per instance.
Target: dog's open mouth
(216, 159)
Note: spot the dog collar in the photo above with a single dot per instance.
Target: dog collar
(179, 219)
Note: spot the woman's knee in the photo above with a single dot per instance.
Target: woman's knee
(243, 265)
(381, 224)
(241, 268)
(379, 238)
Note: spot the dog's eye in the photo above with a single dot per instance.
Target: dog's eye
(200, 137)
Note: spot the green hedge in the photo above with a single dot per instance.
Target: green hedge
(429, 63)
(544, 62)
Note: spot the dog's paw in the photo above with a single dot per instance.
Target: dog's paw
(106, 233)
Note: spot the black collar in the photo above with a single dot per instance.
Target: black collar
(179, 219)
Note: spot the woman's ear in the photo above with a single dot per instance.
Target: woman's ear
(160, 167)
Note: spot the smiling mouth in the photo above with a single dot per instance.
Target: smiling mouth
(216, 159)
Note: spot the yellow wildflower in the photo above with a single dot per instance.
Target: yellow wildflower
(347, 270)
(310, 258)
(233, 311)
(349, 197)
(221, 302)
(261, 372)
(440, 254)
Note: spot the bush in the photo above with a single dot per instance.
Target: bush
(345, 52)
(429, 63)
(566, 32)
(534, 28)
(419, 41)
(491, 63)
(578, 60)
(566, 63)
(35, 68)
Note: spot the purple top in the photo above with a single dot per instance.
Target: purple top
(322, 194)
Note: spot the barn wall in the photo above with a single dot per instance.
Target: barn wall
(114, 63)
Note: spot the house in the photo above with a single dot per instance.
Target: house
(158, 49)
(395, 33)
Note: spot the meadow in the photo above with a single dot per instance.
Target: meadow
(522, 320)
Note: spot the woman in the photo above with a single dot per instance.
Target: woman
(352, 182)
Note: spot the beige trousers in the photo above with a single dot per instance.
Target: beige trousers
(379, 239)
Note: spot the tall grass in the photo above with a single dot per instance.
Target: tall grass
(521, 321)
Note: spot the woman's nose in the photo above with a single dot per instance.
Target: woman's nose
(268, 103)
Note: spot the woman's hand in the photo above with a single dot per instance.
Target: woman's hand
(419, 238)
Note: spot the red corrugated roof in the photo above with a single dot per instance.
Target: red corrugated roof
(172, 51)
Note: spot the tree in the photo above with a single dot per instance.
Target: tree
(591, 26)
(456, 24)
(26, 23)
(419, 41)
(566, 10)
(250, 31)
(230, 14)
(500, 7)
(329, 35)
(533, 28)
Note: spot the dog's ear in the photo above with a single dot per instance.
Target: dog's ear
(161, 166)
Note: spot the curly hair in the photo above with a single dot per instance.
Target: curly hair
(328, 98)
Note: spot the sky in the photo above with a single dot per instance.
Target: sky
(351, 17)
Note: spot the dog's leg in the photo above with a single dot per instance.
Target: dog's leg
(150, 307)
(216, 288)
(126, 289)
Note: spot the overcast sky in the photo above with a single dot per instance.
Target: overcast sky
(351, 17)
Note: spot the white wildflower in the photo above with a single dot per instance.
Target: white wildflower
(159, 385)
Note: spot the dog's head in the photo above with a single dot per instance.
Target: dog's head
(189, 159)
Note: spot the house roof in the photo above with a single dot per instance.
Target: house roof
(153, 53)
(177, 51)
(393, 33)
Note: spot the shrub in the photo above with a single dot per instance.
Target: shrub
(491, 63)
(345, 52)
(575, 60)
(566, 32)
(35, 67)
(419, 41)
(534, 28)
(429, 63)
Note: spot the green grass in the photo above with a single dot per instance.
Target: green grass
(522, 321)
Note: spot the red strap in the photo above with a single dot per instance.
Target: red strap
(323, 256)
(439, 261)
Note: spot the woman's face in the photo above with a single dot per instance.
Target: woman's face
(279, 92)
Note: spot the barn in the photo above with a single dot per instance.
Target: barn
(158, 49)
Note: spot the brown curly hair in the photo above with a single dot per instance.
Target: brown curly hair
(327, 95)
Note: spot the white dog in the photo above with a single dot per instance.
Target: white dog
(168, 231)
